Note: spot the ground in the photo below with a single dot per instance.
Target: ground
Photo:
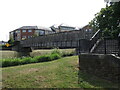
(61, 73)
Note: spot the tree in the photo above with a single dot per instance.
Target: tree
(11, 41)
(108, 20)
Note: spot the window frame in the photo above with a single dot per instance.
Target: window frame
(24, 31)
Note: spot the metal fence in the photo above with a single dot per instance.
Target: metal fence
(111, 46)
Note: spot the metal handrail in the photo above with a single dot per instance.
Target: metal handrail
(94, 39)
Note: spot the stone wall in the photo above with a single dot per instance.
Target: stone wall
(103, 66)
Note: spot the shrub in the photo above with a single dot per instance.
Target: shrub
(15, 62)
(43, 58)
(55, 56)
(26, 60)
(6, 63)
(34, 60)
(56, 51)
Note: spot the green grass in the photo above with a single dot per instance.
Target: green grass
(14, 54)
(9, 54)
(27, 60)
(48, 51)
(55, 54)
(61, 73)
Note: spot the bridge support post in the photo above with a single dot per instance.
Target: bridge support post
(78, 48)
(23, 51)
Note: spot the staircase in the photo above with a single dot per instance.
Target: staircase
(103, 46)
(108, 46)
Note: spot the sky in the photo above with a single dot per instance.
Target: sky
(18, 13)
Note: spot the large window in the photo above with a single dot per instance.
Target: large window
(24, 37)
(23, 30)
(29, 36)
(18, 31)
(41, 32)
(29, 30)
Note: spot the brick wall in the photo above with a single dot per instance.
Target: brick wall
(27, 33)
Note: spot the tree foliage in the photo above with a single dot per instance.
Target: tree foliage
(11, 41)
(108, 20)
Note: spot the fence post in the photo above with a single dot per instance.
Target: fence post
(79, 47)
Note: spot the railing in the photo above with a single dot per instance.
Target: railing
(94, 39)
(67, 37)
(111, 46)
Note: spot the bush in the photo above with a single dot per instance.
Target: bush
(6, 63)
(56, 54)
(43, 58)
(26, 60)
(49, 57)
(56, 51)
(15, 62)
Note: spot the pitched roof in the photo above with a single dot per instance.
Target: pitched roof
(35, 27)
(28, 27)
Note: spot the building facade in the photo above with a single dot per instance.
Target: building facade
(26, 32)
(87, 31)
(62, 28)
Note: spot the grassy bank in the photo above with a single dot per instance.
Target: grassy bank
(61, 73)
(55, 54)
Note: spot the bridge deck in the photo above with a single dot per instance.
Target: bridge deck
(62, 40)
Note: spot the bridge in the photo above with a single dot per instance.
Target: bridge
(83, 41)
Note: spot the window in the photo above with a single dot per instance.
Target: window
(86, 30)
(90, 30)
(23, 30)
(23, 36)
(29, 36)
(29, 30)
(41, 32)
(18, 31)
(37, 31)
(18, 36)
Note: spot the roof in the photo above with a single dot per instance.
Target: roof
(64, 26)
(85, 26)
(35, 27)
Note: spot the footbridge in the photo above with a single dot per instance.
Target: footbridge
(83, 41)
(70, 39)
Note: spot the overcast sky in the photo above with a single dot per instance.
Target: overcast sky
(17, 13)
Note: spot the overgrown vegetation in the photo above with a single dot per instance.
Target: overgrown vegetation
(11, 41)
(55, 54)
(26, 60)
(108, 20)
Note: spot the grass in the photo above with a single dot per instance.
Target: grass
(14, 54)
(27, 60)
(9, 54)
(61, 73)
(48, 51)
(55, 54)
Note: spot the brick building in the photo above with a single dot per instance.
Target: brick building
(25, 32)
